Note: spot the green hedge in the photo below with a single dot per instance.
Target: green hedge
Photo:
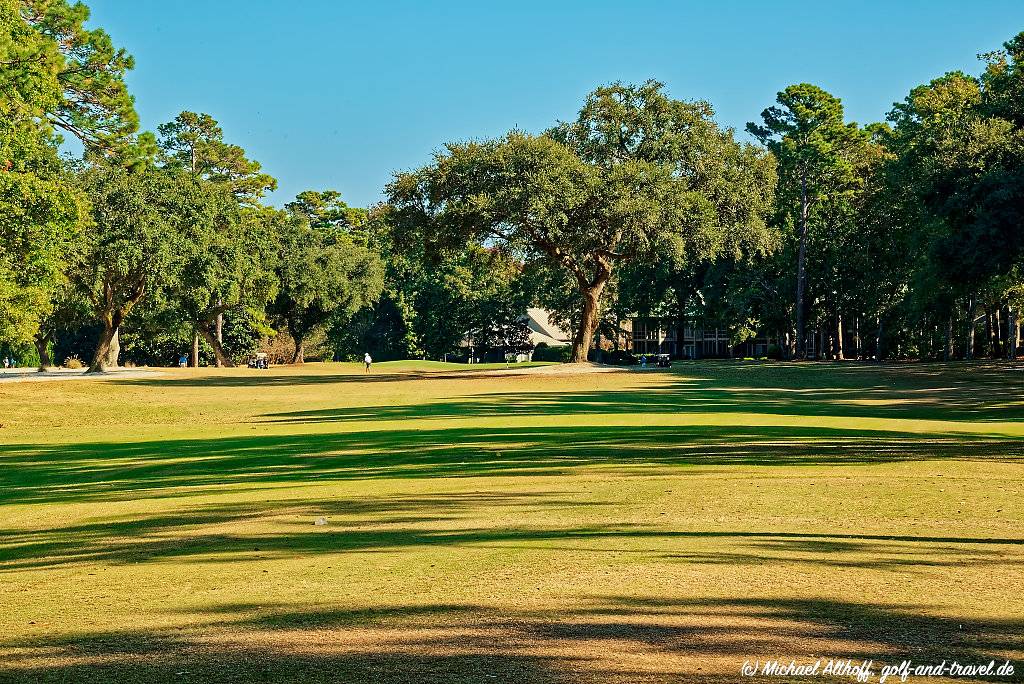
(542, 352)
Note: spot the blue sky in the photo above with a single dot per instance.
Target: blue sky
(335, 94)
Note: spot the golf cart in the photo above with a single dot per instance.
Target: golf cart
(664, 361)
(259, 361)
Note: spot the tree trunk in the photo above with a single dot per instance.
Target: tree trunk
(101, 359)
(998, 327)
(42, 343)
(195, 349)
(801, 337)
(856, 337)
(299, 357)
(948, 352)
(880, 341)
(1005, 332)
(681, 327)
(1013, 334)
(588, 323)
(220, 356)
(989, 333)
(969, 351)
(839, 337)
(114, 350)
(223, 360)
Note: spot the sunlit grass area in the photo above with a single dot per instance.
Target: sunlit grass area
(482, 526)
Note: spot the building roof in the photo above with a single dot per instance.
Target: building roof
(543, 329)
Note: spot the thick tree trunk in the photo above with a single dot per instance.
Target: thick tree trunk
(114, 350)
(588, 323)
(801, 337)
(299, 357)
(223, 360)
(195, 349)
(42, 343)
(839, 337)
(101, 359)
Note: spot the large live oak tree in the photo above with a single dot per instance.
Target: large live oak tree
(227, 265)
(637, 174)
(141, 219)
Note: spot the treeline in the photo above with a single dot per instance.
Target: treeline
(898, 239)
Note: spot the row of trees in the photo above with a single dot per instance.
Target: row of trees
(901, 238)
(163, 236)
(905, 236)
(892, 239)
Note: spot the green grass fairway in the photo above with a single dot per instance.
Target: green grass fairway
(636, 526)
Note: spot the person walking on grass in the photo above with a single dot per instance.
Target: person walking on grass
(368, 360)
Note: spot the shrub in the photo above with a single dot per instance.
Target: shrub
(73, 362)
(543, 352)
(620, 358)
(774, 352)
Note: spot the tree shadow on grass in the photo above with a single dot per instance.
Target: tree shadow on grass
(982, 391)
(950, 394)
(125, 470)
(603, 639)
(258, 531)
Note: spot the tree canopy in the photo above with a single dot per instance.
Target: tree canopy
(324, 274)
(635, 175)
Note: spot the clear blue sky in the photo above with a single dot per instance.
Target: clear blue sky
(335, 94)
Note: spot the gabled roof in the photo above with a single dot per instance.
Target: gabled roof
(543, 329)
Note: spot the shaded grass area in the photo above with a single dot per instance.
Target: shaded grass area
(456, 642)
(108, 470)
(478, 527)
